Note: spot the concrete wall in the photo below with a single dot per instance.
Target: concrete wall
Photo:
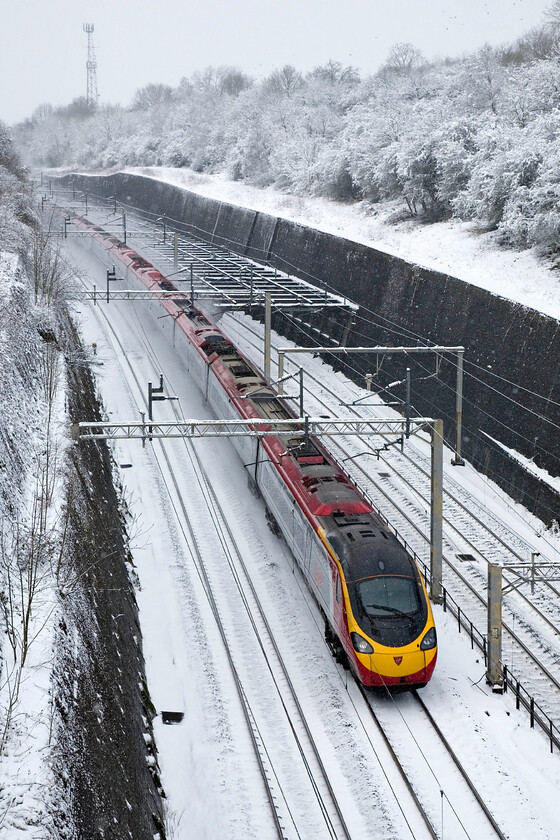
(504, 341)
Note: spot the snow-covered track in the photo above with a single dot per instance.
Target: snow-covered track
(271, 725)
(239, 587)
(401, 493)
(403, 727)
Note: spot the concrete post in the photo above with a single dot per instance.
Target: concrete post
(494, 676)
(458, 460)
(436, 591)
(267, 328)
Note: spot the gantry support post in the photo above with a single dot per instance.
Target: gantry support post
(281, 372)
(494, 675)
(458, 460)
(267, 328)
(436, 590)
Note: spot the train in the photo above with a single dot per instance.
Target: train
(378, 618)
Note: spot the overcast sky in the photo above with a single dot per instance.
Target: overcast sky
(43, 48)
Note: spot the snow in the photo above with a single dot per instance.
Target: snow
(208, 770)
(8, 270)
(206, 758)
(457, 248)
(28, 797)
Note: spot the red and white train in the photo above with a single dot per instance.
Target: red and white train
(377, 613)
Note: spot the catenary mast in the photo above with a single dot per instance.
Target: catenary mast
(91, 65)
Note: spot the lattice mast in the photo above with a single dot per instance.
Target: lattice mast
(91, 65)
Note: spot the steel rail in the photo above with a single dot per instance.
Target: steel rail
(248, 712)
(261, 756)
(468, 781)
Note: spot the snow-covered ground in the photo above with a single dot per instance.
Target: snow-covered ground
(205, 759)
(207, 768)
(31, 451)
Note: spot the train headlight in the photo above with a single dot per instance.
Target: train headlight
(430, 640)
(360, 644)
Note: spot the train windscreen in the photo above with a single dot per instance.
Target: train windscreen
(382, 596)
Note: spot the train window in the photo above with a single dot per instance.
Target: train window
(338, 588)
(388, 596)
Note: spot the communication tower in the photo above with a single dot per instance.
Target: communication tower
(91, 65)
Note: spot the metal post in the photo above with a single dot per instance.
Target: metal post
(494, 676)
(124, 225)
(175, 250)
(280, 372)
(533, 555)
(436, 513)
(458, 461)
(111, 275)
(407, 404)
(347, 329)
(192, 286)
(369, 377)
(85, 194)
(267, 326)
(301, 392)
(150, 399)
(155, 394)
(251, 289)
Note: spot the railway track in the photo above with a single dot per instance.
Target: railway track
(248, 596)
(399, 485)
(228, 583)
(449, 795)
(473, 536)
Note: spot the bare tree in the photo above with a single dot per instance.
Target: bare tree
(334, 73)
(151, 96)
(403, 58)
(285, 81)
(552, 14)
(224, 81)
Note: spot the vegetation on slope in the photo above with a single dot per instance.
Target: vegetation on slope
(475, 137)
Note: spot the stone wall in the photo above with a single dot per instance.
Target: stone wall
(106, 759)
(511, 351)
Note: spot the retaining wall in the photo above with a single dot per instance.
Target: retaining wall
(505, 342)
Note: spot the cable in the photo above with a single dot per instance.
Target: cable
(385, 323)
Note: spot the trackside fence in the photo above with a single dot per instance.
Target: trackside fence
(523, 699)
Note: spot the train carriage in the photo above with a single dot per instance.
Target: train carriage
(377, 613)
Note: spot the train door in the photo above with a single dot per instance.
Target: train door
(308, 550)
(339, 612)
